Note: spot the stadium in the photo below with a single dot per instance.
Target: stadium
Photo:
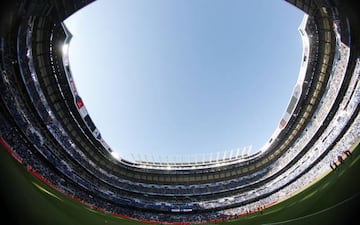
(56, 168)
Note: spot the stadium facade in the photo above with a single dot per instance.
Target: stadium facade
(46, 127)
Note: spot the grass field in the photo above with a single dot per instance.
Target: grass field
(333, 200)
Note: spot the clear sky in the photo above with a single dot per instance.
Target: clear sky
(185, 77)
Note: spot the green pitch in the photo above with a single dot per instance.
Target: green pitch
(333, 199)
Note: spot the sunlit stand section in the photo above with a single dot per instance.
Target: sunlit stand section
(193, 160)
(294, 100)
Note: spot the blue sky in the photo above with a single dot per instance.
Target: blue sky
(185, 77)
